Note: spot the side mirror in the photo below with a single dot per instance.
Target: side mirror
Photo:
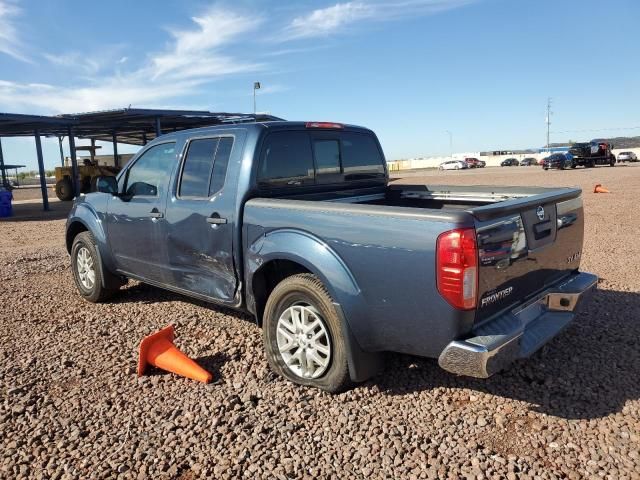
(107, 184)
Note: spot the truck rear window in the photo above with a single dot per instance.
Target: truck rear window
(294, 158)
(361, 157)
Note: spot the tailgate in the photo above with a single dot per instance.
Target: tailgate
(524, 245)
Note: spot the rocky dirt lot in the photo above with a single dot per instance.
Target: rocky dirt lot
(72, 406)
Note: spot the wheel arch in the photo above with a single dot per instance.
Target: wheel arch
(290, 252)
(282, 253)
(74, 228)
(84, 217)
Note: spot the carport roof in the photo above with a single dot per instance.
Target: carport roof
(131, 125)
(10, 167)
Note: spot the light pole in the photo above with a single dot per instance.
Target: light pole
(450, 142)
(256, 86)
(548, 120)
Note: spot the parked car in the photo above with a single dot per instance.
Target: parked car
(627, 157)
(297, 225)
(510, 162)
(453, 165)
(526, 162)
(559, 161)
(473, 162)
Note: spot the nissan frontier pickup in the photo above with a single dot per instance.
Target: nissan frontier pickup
(297, 224)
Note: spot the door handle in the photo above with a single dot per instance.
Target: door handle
(216, 219)
(156, 214)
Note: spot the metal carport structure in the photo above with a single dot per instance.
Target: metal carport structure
(133, 126)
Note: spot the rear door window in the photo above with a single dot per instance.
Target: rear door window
(286, 160)
(196, 171)
(220, 164)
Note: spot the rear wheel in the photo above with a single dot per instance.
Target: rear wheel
(64, 189)
(303, 336)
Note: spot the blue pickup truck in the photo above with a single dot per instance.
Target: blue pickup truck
(298, 224)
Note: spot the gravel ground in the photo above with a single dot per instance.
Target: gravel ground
(72, 407)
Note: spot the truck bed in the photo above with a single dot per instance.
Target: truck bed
(387, 240)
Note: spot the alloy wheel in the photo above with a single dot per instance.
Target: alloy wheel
(303, 341)
(84, 265)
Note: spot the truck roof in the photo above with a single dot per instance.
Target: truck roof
(275, 125)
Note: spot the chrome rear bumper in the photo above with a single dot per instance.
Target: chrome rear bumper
(519, 333)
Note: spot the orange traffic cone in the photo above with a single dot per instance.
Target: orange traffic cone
(158, 350)
(600, 189)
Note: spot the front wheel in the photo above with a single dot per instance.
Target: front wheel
(303, 336)
(88, 270)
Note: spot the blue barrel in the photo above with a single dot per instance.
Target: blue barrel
(6, 209)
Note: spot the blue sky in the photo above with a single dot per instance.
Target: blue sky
(409, 69)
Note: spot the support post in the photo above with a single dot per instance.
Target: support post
(116, 160)
(74, 164)
(144, 138)
(158, 127)
(43, 175)
(4, 175)
(61, 151)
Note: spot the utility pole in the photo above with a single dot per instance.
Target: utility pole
(548, 120)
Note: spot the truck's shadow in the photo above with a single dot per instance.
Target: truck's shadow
(32, 212)
(589, 371)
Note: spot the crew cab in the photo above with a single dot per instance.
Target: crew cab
(297, 224)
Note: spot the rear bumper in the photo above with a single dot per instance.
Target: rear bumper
(519, 333)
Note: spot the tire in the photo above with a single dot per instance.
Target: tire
(64, 189)
(305, 291)
(89, 279)
(612, 161)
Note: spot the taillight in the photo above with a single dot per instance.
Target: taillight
(457, 267)
(324, 125)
